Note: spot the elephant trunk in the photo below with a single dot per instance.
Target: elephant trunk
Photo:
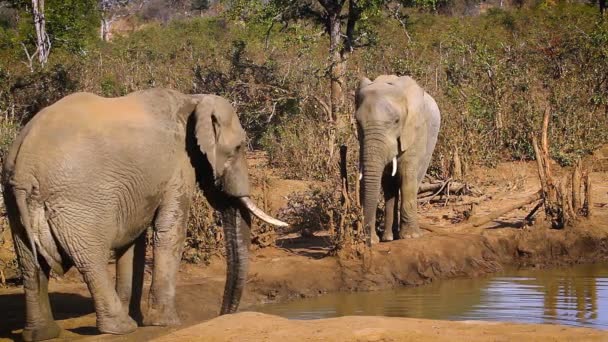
(237, 223)
(373, 166)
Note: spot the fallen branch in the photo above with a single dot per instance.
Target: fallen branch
(428, 187)
(458, 188)
(533, 211)
(478, 221)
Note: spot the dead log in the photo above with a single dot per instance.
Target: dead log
(478, 221)
(457, 188)
(429, 187)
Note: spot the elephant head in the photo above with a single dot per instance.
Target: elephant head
(223, 141)
(385, 132)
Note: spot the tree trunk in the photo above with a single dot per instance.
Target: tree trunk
(43, 43)
(602, 7)
(105, 29)
(337, 70)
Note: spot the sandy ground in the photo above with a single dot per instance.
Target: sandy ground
(253, 326)
(299, 267)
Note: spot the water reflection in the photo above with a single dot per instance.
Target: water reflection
(575, 296)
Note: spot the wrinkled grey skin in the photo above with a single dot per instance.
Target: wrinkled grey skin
(395, 118)
(88, 174)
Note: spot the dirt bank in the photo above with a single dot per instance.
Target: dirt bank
(253, 326)
(299, 267)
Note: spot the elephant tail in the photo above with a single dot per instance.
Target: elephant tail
(38, 231)
(26, 221)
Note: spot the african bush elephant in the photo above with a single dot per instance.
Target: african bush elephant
(88, 174)
(398, 124)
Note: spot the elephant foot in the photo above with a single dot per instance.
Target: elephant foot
(387, 236)
(117, 325)
(410, 233)
(162, 317)
(47, 332)
(375, 238)
(134, 312)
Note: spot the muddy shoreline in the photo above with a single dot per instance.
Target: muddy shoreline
(281, 274)
(422, 261)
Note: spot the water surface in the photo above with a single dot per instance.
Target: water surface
(575, 295)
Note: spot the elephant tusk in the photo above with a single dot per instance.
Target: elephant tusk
(261, 214)
(360, 175)
(394, 167)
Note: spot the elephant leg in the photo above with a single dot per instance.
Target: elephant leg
(169, 237)
(39, 324)
(390, 187)
(112, 318)
(409, 217)
(130, 276)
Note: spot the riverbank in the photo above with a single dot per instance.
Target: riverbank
(253, 326)
(299, 267)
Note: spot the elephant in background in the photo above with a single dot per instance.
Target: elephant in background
(88, 174)
(398, 124)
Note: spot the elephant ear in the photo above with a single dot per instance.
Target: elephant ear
(406, 140)
(413, 120)
(363, 82)
(218, 131)
(206, 129)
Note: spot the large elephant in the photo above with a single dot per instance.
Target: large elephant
(398, 124)
(88, 174)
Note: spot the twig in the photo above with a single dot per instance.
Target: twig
(274, 107)
(30, 58)
(427, 199)
(447, 198)
(395, 14)
(324, 105)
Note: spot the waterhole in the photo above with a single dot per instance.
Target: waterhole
(575, 295)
